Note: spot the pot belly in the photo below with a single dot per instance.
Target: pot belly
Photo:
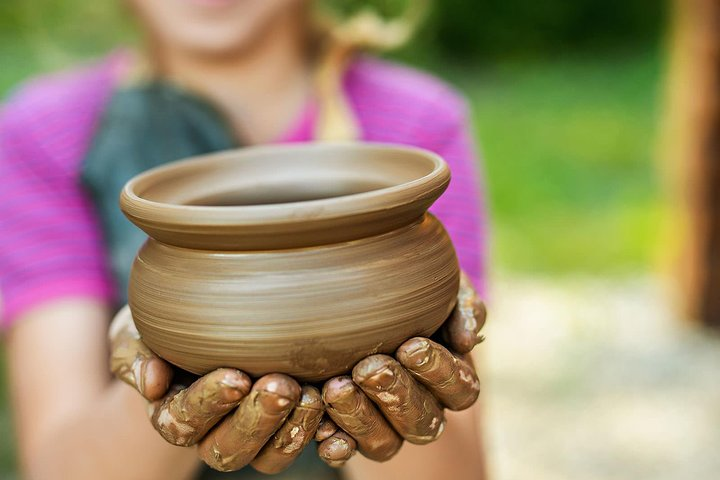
(310, 312)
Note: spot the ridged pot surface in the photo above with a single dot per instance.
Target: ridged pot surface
(342, 261)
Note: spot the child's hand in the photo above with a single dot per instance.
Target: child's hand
(386, 400)
(266, 424)
(391, 399)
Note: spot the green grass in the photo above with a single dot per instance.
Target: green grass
(568, 147)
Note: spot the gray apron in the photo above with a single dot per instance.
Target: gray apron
(142, 127)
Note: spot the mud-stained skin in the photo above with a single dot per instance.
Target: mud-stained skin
(133, 362)
(450, 379)
(411, 409)
(187, 414)
(352, 411)
(326, 429)
(294, 435)
(236, 441)
(337, 449)
(461, 331)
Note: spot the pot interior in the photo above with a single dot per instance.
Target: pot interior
(285, 176)
(276, 193)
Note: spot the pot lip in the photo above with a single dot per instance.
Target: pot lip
(136, 207)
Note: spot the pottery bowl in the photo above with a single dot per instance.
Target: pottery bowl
(299, 259)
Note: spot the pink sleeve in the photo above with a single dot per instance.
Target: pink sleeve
(461, 208)
(50, 244)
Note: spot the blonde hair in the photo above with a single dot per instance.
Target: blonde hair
(341, 40)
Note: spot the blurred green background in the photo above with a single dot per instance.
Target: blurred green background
(564, 96)
(565, 101)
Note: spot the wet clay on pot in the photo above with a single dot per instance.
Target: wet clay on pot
(298, 259)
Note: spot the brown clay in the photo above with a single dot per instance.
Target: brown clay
(337, 449)
(412, 410)
(451, 380)
(132, 361)
(187, 414)
(294, 435)
(461, 330)
(237, 440)
(297, 259)
(326, 429)
(352, 411)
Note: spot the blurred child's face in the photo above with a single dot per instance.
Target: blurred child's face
(213, 26)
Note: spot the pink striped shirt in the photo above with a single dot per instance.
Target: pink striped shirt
(50, 240)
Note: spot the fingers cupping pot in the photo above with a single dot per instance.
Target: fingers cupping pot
(299, 259)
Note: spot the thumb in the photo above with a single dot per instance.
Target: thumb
(461, 331)
(133, 362)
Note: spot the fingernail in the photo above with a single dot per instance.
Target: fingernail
(310, 398)
(337, 449)
(381, 380)
(231, 381)
(479, 339)
(237, 383)
(272, 403)
(372, 367)
(338, 446)
(338, 389)
(279, 384)
(418, 353)
(232, 395)
(325, 430)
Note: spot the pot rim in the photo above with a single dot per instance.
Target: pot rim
(153, 216)
(132, 202)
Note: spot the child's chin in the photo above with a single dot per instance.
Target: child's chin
(215, 40)
(213, 3)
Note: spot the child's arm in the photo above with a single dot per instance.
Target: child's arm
(72, 420)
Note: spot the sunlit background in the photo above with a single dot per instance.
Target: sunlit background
(590, 371)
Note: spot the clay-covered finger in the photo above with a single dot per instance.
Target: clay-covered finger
(337, 449)
(409, 407)
(186, 415)
(461, 331)
(132, 361)
(451, 379)
(326, 429)
(353, 412)
(235, 441)
(292, 437)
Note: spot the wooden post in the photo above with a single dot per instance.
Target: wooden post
(692, 152)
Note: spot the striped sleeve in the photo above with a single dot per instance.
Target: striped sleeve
(50, 244)
(461, 207)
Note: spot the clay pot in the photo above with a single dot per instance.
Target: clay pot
(299, 259)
